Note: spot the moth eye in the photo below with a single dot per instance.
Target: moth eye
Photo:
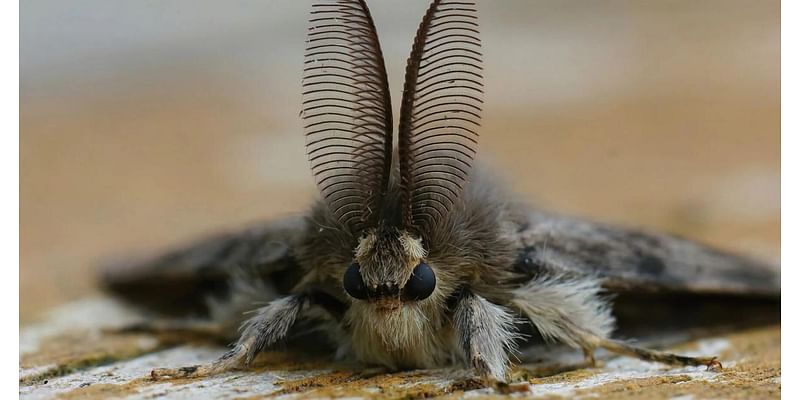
(421, 283)
(353, 284)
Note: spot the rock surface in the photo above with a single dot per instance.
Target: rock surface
(73, 354)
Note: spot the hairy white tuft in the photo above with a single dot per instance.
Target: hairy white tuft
(569, 310)
(270, 324)
(413, 247)
(487, 334)
(410, 336)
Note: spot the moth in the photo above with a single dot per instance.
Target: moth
(414, 257)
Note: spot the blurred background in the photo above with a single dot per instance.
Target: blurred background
(144, 124)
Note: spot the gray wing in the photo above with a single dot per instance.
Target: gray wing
(633, 261)
(180, 281)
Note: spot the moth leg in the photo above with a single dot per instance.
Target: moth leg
(572, 311)
(486, 334)
(588, 356)
(615, 346)
(270, 324)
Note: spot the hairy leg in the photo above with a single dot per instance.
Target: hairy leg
(487, 333)
(573, 311)
(712, 363)
(270, 324)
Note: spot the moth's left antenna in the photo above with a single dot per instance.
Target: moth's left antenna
(347, 111)
(440, 113)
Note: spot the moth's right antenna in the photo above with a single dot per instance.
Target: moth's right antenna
(347, 111)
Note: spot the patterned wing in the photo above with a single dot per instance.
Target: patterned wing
(630, 260)
(181, 280)
(347, 110)
(440, 112)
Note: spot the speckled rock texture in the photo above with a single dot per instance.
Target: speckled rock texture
(74, 354)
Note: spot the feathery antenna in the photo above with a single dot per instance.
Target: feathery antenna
(440, 112)
(347, 111)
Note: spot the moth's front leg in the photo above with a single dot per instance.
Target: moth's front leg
(270, 324)
(573, 311)
(486, 333)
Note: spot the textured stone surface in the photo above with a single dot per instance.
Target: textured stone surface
(72, 354)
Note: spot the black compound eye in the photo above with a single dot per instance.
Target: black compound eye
(353, 284)
(421, 283)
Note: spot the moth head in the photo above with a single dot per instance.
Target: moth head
(389, 266)
(347, 113)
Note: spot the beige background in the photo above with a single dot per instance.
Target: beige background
(146, 123)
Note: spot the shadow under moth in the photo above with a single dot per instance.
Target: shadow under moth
(413, 257)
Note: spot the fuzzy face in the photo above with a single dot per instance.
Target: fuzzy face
(387, 257)
(388, 329)
(468, 250)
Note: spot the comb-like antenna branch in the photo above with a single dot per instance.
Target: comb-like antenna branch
(440, 112)
(347, 111)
